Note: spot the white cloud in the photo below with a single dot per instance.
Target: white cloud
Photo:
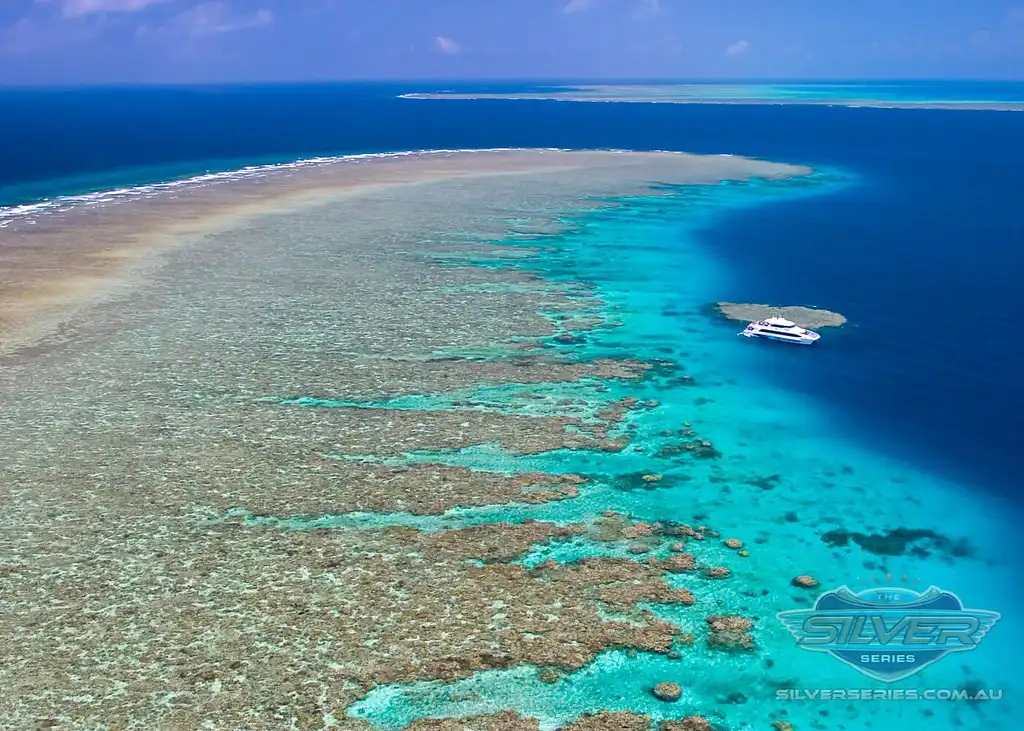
(737, 48)
(651, 9)
(447, 45)
(79, 8)
(575, 6)
(35, 35)
(212, 18)
(981, 39)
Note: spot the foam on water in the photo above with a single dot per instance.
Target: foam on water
(114, 195)
(102, 197)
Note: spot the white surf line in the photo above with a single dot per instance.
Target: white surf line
(58, 204)
(52, 205)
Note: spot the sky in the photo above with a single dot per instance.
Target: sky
(195, 41)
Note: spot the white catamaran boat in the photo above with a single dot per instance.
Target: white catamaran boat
(781, 329)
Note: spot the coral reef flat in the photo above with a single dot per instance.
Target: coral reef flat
(66, 256)
(188, 373)
(854, 95)
(810, 317)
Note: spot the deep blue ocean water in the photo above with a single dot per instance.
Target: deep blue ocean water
(919, 246)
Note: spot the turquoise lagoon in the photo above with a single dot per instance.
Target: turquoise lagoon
(790, 471)
(921, 93)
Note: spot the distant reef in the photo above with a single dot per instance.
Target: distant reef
(808, 317)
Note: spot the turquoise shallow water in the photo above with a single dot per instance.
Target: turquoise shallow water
(789, 472)
(849, 92)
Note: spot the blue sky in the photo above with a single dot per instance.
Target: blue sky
(171, 41)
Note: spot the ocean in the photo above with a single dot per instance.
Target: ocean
(909, 418)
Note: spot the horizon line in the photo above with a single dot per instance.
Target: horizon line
(553, 81)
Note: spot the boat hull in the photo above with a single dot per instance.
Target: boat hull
(792, 341)
(781, 339)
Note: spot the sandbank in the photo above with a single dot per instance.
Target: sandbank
(809, 317)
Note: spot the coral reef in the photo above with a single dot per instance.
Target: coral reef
(808, 317)
(617, 583)
(667, 691)
(506, 721)
(610, 721)
(143, 444)
(898, 541)
(690, 723)
(730, 632)
(804, 582)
